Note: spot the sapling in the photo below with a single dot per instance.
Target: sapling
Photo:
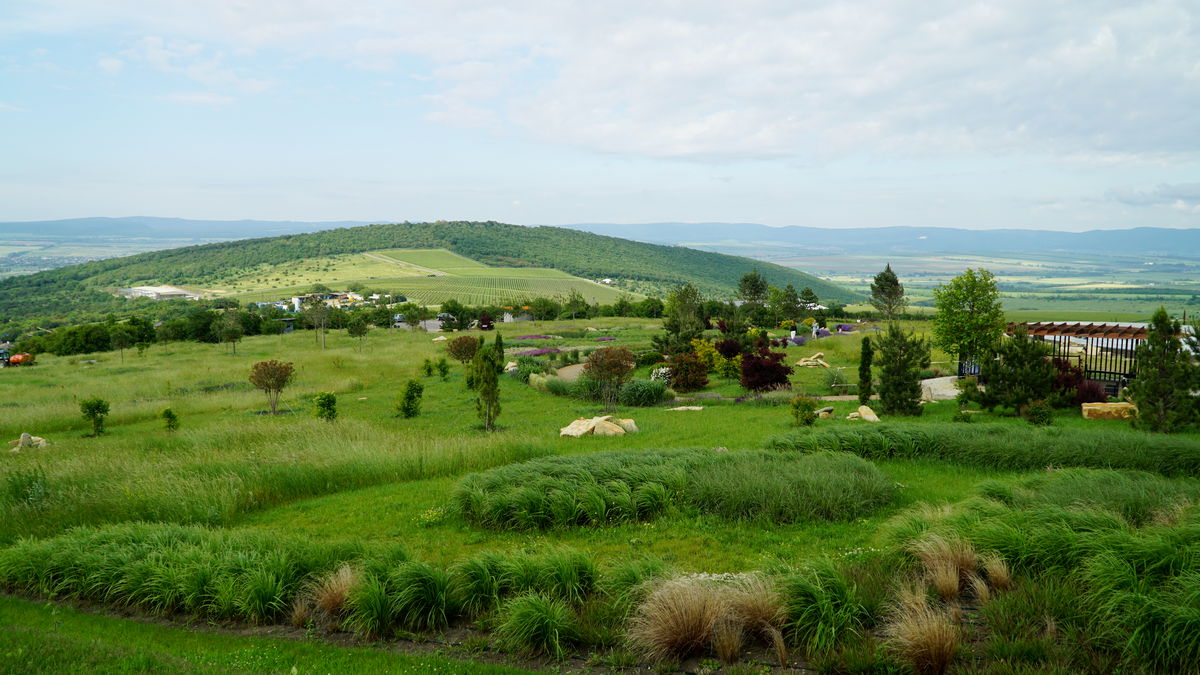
(170, 419)
(94, 410)
(410, 405)
(326, 403)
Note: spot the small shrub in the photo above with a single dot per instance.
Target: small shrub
(94, 410)
(688, 373)
(610, 367)
(804, 410)
(170, 419)
(822, 609)
(728, 348)
(427, 368)
(410, 404)
(443, 368)
(326, 403)
(764, 370)
(463, 348)
(649, 358)
(640, 393)
(538, 625)
(1039, 414)
(371, 610)
(479, 583)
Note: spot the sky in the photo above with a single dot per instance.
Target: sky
(1029, 114)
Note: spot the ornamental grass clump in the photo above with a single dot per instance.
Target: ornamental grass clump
(537, 624)
(822, 611)
(922, 636)
(422, 597)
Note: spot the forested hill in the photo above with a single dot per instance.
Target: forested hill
(584, 254)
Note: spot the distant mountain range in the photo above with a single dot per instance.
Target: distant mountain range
(165, 228)
(916, 240)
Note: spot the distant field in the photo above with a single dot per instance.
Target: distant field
(428, 276)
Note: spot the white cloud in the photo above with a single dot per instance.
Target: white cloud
(4, 107)
(1098, 78)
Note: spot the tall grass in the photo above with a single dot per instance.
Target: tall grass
(823, 610)
(615, 487)
(1006, 447)
(536, 624)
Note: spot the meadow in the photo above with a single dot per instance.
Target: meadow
(377, 543)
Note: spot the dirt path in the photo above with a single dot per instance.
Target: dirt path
(571, 373)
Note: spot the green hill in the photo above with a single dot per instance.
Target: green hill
(86, 290)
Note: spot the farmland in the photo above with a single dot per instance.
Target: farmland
(426, 276)
(372, 487)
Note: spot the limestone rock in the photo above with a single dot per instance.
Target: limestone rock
(28, 441)
(510, 366)
(826, 409)
(580, 427)
(866, 414)
(825, 414)
(606, 428)
(686, 407)
(440, 338)
(628, 425)
(1109, 411)
(852, 416)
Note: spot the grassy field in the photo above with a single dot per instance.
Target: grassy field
(427, 276)
(373, 482)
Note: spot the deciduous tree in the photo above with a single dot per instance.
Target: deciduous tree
(969, 317)
(272, 377)
(610, 367)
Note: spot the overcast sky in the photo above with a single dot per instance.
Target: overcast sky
(1031, 114)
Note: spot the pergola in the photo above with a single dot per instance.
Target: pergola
(1106, 352)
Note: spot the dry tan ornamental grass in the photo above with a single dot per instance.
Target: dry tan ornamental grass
(935, 550)
(689, 614)
(324, 600)
(924, 637)
(996, 571)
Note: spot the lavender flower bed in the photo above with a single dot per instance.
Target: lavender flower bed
(539, 352)
(533, 337)
(605, 339)
(845, 328)
(798, 340)
(821, 332)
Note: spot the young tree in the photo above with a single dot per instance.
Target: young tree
(1015, 373)
(809, 299)
(610, 367)
(410, 405)
(316, 312)
(969, 317)
(683, 321)
(575, 304)
(887, 293)
(486, 378)
(170, 419)
(1165, 377)
(865, 381)
(121, 337)
(463, 348)
(784, 303)
(326, 403)
(765, 370)
(271, 377)
(229, 328)
(358, 327)
(94, 410)
(902, 357)
(752, 288)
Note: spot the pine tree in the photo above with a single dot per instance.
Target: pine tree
(887, 293)
(486, 379)
(902, 357)
(1165, 376)
(865, 383)
(1017, 373)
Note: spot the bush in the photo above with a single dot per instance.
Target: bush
(94, 410)
(765, 370)
(1039, 414)
(688, 373)
(443, 368)
(463, 348)
(427, 368)
(170, 419)
(610, 367)
(1006, 447)
(585, 388)
(902, 357)
(538, 625)
(823, 610)
(804, 410)
(410, 404)
(649, 358)
(729, 348)
(326, 403)
(643, 393)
